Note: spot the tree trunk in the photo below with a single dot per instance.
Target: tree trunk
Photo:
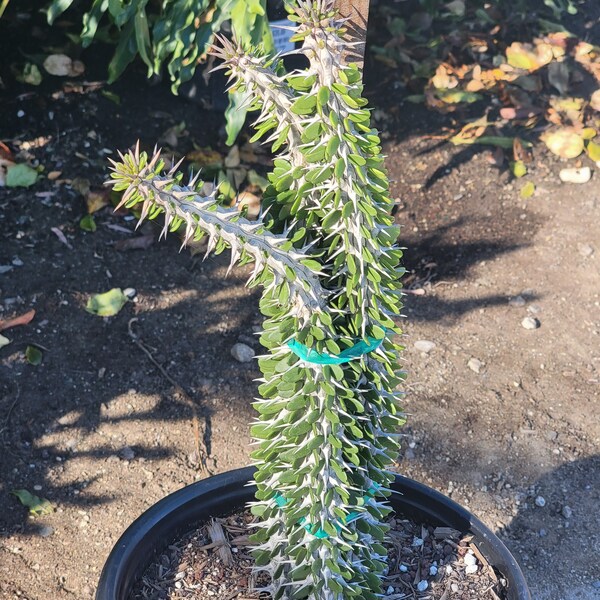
(358, 12)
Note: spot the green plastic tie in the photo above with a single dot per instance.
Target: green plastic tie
(323, 358)
(320, 534)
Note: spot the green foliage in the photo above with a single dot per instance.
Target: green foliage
(325, 254)
(175, 33)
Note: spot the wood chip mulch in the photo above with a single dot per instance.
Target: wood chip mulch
(425, 563)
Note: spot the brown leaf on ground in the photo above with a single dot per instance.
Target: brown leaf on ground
(137, 243)
(5, 152)
(205, 157)
(81, 185)
(97, 199)
(520, 153)
(61, 236)
(21, 320)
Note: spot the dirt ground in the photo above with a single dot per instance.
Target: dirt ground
(501, 418)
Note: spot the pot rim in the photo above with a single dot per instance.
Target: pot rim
(181, 511)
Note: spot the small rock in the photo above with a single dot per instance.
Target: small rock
(409, 454)
(390, 590)
(567, 512)
(403, 569)
(417, 542)
(454, 587)
(130, 292)
(584, 249)
(37, 488)
(5, 269)
(596, 584)
(572, 175)
(517, 301)
(543, 533)
(17, 262)
(534, 309)
(46, 531)
(470, 559)
(242, 353)
(127, 453)
(433, 570)
(422, 585)
(475, 365)
(471, 569)
(530, 323)
(424, 346)
(540, 501)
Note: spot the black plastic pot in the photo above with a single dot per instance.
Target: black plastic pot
(185, 509)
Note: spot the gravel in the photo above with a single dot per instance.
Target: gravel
(585, 250)
(530, 323)
(475, 365)
(540, 501)
(242, 352)
(424, 346)
(517, 301)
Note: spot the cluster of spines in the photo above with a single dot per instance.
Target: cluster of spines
(277, 265)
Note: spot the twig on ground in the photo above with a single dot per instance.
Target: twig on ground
(12, 407)
(201, 449)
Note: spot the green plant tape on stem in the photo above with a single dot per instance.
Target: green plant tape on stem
(320, 534)
(323, 358)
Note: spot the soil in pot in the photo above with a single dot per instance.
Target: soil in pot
(425, 563)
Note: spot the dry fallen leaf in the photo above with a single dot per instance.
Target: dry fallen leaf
(595, 100)
(593, 151)
(95, 200)
(528, 190)
(58, 64)
(21, 320)
(137, 243)
(205, 158)
(565, 142)
(61, 236)
(52, 175)
(528, 56)
(61, 65)
(107, 304)
(558, 76)
(37, 506)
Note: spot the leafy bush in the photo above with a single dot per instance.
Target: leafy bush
(175, 33)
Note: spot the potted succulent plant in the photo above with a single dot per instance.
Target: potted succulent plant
(324, 251)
